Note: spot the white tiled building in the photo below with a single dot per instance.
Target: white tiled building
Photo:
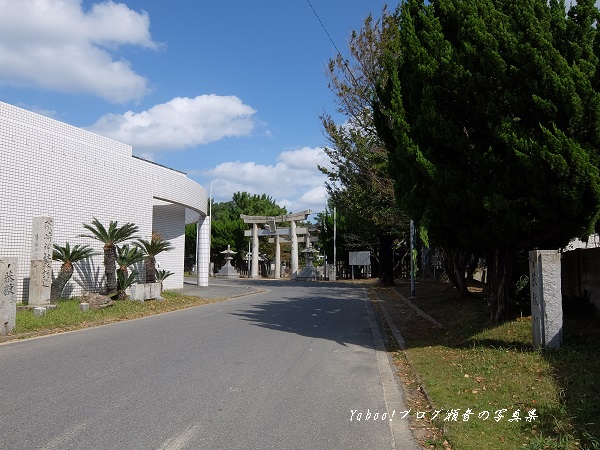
(49, 168)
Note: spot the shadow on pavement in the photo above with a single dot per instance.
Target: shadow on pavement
(323, 311)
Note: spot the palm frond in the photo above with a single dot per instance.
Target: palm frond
(125, 281)
(66, 254)
(153, 247)
(98, 231)
(124, 232)
(128, 255)
(162, 275)
(115, 234)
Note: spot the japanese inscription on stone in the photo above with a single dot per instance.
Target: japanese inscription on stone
(8, 294)
(41, 261)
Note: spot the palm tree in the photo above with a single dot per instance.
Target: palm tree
(162, 275)
(68, 256)
(110, 238)
(152, 248)
(124, 281)
(126, 256)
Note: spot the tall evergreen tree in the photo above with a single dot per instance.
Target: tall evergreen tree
(358, 181)
(490, 112)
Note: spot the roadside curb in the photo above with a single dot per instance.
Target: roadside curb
(402, 435)
(398, 336)
(418, 310)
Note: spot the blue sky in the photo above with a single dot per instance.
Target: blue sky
(227, 91)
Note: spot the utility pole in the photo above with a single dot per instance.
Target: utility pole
(334, 245)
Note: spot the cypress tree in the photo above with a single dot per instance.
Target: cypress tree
(489, 110)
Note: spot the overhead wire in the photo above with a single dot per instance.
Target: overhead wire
(324, 28)
(342, 59)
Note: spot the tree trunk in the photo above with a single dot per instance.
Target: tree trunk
(454, 264)
(61, 280)
(150, 265)
(110, 258)
(460, 259)
(386, 260)
(121, 289)
(448, 265)
(500, 266)
(472, 265)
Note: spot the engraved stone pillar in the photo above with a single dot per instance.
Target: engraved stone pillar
(277, 258)
(254, 273)
(294, 239)
(40, 275)
(8, 294)
(546, 298)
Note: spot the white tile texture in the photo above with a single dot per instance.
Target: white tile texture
(49, 168)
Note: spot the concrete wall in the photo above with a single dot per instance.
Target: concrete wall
(581, 273)
(50, 168)
(169, 222)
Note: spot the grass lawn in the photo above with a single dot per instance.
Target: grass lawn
(67, 315)
(470, 367)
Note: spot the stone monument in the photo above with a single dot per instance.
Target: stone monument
(228, 271)
(40, 275)
(546, 298)
(8, 294)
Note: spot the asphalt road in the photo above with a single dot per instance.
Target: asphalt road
(282, 369)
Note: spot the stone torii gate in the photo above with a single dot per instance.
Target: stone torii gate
(272, 230)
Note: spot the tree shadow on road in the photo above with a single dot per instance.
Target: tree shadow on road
(333, 312)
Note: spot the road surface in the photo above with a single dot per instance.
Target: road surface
(282, 369)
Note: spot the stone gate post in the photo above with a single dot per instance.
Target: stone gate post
(546, 298)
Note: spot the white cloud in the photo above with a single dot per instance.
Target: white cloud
(293, 182)
(56, 45)
(304, 159)
(180, 123)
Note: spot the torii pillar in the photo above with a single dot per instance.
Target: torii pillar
(294, 239)
(277, 258)
(254, 269)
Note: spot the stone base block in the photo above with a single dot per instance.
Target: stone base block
(141, 292)
(227, 271)
(29, 307)
(309, 273)
(39, 311)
